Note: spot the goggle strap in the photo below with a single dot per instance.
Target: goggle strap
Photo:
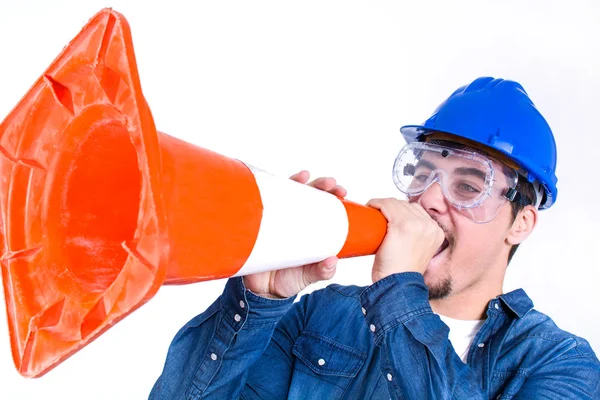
(514, 196)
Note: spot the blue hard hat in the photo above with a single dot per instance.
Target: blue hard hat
(499, 114)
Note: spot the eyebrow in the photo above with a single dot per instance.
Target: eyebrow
(458, 171)
(471, 171)
(426, 164)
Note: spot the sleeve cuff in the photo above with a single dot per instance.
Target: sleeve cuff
(244, 309)
(393, 301)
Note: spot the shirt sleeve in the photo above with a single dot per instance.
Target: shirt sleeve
(211, 355)
(412, 338)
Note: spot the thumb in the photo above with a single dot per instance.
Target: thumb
(320, 271)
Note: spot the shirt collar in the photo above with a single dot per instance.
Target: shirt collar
(517, 301)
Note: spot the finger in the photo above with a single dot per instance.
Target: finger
(390, 208)
(420, 210)
(375, 203)
(417, 209)
(301, 176)
(329, 263)
(413, 208)
(324, 183)
(380, 202)
(323, 270)
(326, 268)
(339, 191)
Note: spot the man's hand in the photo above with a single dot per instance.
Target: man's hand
(412, 238)
(288, 282)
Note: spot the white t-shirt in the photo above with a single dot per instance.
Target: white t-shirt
(461, 334)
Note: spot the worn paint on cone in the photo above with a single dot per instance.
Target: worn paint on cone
(98, 209)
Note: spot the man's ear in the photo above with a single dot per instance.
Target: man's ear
(523, 225)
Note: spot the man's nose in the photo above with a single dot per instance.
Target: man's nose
(433, 200)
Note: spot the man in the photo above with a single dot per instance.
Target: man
(434, 324)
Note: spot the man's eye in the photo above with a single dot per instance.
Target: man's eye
(421, 177)
(465, 187)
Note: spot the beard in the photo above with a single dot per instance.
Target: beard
(441, 289)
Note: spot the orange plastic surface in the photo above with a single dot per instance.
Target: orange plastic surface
(98, 209)
(82, 229)
(366, 229)
(213, 208)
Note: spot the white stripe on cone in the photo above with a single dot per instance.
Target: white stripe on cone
(300, 225)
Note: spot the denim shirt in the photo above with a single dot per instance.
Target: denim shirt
(377, 342)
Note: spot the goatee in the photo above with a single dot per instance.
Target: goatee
(441, 290)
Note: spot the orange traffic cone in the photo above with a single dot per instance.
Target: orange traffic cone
(98, 210)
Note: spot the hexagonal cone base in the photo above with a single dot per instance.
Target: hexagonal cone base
(86, 108)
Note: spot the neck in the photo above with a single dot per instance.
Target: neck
(470, 303)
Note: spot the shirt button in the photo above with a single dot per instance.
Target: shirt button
(372, 327)
(364, 311)
(496, 306)
(321, 362)
(237, 318)
(389, 376)
(213, 356)
(242, 304)
(481, 345)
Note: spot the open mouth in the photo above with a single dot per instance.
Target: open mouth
(443, 247)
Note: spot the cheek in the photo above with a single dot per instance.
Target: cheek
(477, 241)
(477, 245)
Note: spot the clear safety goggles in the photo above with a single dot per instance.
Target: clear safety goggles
(474, 184)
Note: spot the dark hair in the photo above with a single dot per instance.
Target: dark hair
(526, 190)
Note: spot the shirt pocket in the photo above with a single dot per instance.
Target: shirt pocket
(506, 384)
(324, 365)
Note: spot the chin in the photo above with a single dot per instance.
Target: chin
(437, 276)
(440, 288)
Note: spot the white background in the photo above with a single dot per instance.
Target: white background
(325, 86)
